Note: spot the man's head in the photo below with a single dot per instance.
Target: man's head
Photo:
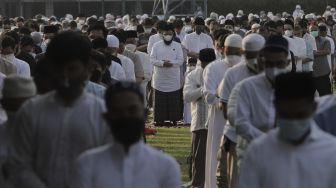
(160, 25)
(229, 25)
(112, 45)
(288, 28)
(275, 55)
(314, 30)
(27, 44)
(178, 24)
(252, 44)
(199, 25)
(132, 40)
(7, 45)
(97, 31)
(69, 54)
(168, 34)
(233, 45)
(125, 112)
(206, 56)
(50, 32)
(20, 22)
(322, 30)
(294, 104)
(98, 63)
(16, 91)
(298, 31)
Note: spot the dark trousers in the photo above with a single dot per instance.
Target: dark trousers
(199, 141)
(323, 85)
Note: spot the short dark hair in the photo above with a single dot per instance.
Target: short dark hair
(99, 58)
(8, 41)
(121, 87)
(15, 36)
(99, 43)
(68, 46)
(98, 27)
(289, 22)
(160, 25)
(294, 86)
(24, 30)
(178, 24)
(27, 41)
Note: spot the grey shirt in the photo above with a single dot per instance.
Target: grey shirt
(321, 65)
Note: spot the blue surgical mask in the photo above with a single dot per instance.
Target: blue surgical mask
(293, 130)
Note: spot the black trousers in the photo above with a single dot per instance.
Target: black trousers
(323, 85)
(199, 141)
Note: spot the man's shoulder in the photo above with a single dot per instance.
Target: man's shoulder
(159, 156)
(95, 154)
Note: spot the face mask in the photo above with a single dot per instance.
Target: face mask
(253, 65)
(131, 47)
(127, 131)
(293, 130)
(314, 33)
(69, 88)
(288, 33)
(233, 60)
(148, 30)
(272, 73)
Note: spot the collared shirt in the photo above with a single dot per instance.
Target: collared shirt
(255, 113)
(117, 72)
(195, 43)
(96, 89)
(48, 137)
(152, 40)
(232, 77)
(22, 67)
(128, 66)
(321, 65)
(192, 92)
(167, 79)
(273, 162)
(110, 167)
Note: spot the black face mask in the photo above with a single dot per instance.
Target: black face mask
(70, 89)
(168, 42)
(127, 131)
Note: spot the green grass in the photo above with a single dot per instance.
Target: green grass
(175, 142)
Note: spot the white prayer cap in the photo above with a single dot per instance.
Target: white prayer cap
(229, 16)
(250, 16)
(240, 13)
(253, 42)
(69, 17)
(171, 19)
(255, 26)
(333, 10)
(256, 16)
(112, 41)
(37, 37)
(206, 20)
(214, 16)
(270, 14)
(109, 17)
(94, 16)
(221, 17)
(298, 7)
(233, 40)
(16, 86)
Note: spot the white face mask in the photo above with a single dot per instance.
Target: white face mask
(233, 60)
(288, 33)
(272, 73)
(293, 130)
(131, 47)
(167, 37)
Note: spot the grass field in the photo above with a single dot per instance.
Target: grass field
(175, 142)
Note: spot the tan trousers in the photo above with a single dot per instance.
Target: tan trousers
(227, 174)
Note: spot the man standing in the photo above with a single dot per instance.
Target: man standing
(321, 65)
(253, 114)
(160, 26)
(300, 153)
(227, 175)
(192, 93)
(167, 58)
(51, 130)
(127, 162)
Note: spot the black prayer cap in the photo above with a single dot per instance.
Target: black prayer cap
(229, 22)
(276, 43)
(199, 21)
(131, 34)
(207, 55)
(49, 29)
(293, 86)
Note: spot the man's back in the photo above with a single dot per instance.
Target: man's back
(48, 137)
(142, 167)
(7, 68)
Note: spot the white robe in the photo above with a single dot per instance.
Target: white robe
(213, 76)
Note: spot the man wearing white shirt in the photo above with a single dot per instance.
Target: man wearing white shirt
(307, 65)
(227, 165)
(167, 58)
(157, 37)
(7, 53)
(297, 153)
(194, 43)
(127, 162)
(254, 113)
(116, 70)
(180, 34)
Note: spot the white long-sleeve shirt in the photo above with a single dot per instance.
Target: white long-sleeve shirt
(272, 162)
(232, 77)
(167, 79)
(128, 66)
(152, 40)
(146, 65)
(48, 137)
(110, 167)
(195, 43)
(117, 72)
(22, 67)
(255, 113)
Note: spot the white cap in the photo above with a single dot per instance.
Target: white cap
(221, 17)
(229, 16)
(298, 7)
(112, 41)
(253, 42)
(171, 19)
(255, 26)
(233, 40)
(16, 86)
(37, 37)
(214, 16)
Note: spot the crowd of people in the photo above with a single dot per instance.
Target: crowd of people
(255, 89)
